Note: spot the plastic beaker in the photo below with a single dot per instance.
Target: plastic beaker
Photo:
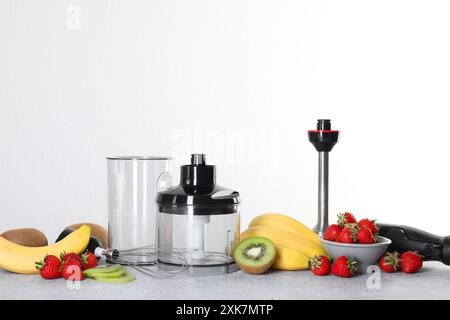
(133, 182)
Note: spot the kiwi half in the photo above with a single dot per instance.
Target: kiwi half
(255, 254)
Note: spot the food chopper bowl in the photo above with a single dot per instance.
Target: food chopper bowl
(199, 220)
(365, 254)
(206, 242)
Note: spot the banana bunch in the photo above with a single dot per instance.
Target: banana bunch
(21, 259)
(295, 242)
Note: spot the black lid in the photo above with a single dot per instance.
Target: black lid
(197, 192)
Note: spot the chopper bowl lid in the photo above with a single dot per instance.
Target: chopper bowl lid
(219, 200)
(198, 192)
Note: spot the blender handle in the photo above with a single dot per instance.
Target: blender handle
(404, 238)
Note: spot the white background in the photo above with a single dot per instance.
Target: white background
(239, 80)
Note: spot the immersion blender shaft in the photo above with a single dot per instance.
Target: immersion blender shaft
(322, 214)
(323, 139)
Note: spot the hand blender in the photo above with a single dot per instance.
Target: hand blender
(429, 246)
(323, 139)
(404, 238)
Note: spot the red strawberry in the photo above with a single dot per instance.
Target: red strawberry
(345, 218)
(320, 265)
(72, 270)
(49, 268)
(70, 256)
(370, 224)
(332, 232)
(88, 260)
(365, 236)
(411, 262)
(344, 267)
(390, 262)
(348, 234)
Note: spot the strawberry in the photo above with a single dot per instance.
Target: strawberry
(365, 236)
(370, 224)
(411, 262)
(348, 234)
(390, 262)
(88, 260)
(49, 268)
(344, 267)
(332, 232)
(69, 256)
(345, 218)
(320, 265)
(72, 270)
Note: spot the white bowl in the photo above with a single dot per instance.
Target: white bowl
(365, 254)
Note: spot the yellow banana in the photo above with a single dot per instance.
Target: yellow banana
(284, 238)
(21, 259)
(284, 222)
(290, 259)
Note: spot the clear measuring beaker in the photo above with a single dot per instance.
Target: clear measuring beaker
(133, 182)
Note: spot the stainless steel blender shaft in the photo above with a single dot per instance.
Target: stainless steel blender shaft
(322, 212)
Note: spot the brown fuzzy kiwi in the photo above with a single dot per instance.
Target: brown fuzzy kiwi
(28, 237)
(97, 231)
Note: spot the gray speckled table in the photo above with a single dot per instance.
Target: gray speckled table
(433, 282)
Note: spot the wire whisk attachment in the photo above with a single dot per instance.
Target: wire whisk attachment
(146, 259)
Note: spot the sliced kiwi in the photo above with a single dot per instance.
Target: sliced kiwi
(113, 274)
(255, 254)
(116, 274)
(98, 271)
(123, 279)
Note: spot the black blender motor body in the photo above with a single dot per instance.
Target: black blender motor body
(431, 247)
(404, 238)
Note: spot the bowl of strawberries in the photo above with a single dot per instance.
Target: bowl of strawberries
(357, 239)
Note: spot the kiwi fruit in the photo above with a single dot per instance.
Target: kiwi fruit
(28, 237)
(99, 271)
(112, 274)
(123, 279)
(99, 235)
(116, 274)
(255, 255)
(97, 231)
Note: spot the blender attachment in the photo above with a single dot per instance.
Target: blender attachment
(132, 186)
(133, 258)
(199, 220)
(323, 139)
